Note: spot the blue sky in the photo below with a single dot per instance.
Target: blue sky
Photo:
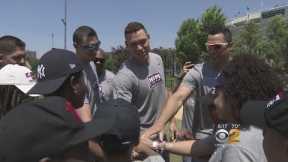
(34, 21)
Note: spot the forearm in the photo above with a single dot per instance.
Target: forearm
(96, 150)
(143, 148)
(181, 148)
(85, 113)
(171, 108)
(196, 148)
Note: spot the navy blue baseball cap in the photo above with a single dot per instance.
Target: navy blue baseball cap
(272, 113)
(46, 128)
(54, 67)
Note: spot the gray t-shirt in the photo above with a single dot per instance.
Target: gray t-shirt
(143, 86)
(154, 158)
(105, 85)
(200, 79)
(248, 149)
(92, 83)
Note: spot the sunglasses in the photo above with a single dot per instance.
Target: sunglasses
(92, 47)
(216, 46)
(99, 60)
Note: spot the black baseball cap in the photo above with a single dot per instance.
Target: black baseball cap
(54, 67)
(46, 128)
(126, 130)
(127, 125)
(272, 113)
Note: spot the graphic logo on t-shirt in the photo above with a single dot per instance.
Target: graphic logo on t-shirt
(154, 79)
(29, 76)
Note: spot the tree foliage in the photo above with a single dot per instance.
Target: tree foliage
(277, 36)
(212, 17)
(115, 58)
(249, 40)
(192, 35)
(188, 47)
(269, 42)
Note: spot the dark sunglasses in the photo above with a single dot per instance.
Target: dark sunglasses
(99, 60)
(216, 46)
(92, 47)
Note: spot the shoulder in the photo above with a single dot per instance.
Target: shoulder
(125, 68)
(197, 68)
(156, 61)
(155, 56)
(195, 72)
(154, 158)
(124, 71)
(50, 103)
(236, 153)
(109, 74)
(36, 108)
(124, 76)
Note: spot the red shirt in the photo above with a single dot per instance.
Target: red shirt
(70, 108)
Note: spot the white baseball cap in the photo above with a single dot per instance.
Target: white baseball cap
(19, 76)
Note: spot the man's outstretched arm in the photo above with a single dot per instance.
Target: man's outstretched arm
(170, 109)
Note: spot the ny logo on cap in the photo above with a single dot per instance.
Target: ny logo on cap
(40, 71)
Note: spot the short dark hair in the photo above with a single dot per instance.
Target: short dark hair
(83, 32)
(133, 27)
(221, 29)
(248, 77)
(8, 44)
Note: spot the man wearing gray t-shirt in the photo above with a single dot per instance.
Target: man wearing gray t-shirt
(235, 139)
(198, 82)
(86, 43)
(105, 76)
(141, 78)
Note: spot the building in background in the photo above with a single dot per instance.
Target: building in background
(261, 17)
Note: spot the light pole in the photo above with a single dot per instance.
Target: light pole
(64, 21)
(52, 38)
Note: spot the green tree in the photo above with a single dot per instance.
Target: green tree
(212, 17)
(192, 35)
(33, 61)
(250, 40)
(277, 36)
(188, 45)
(269, 43)
(115, 58)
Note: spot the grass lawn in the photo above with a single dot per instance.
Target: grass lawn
(175, 158)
